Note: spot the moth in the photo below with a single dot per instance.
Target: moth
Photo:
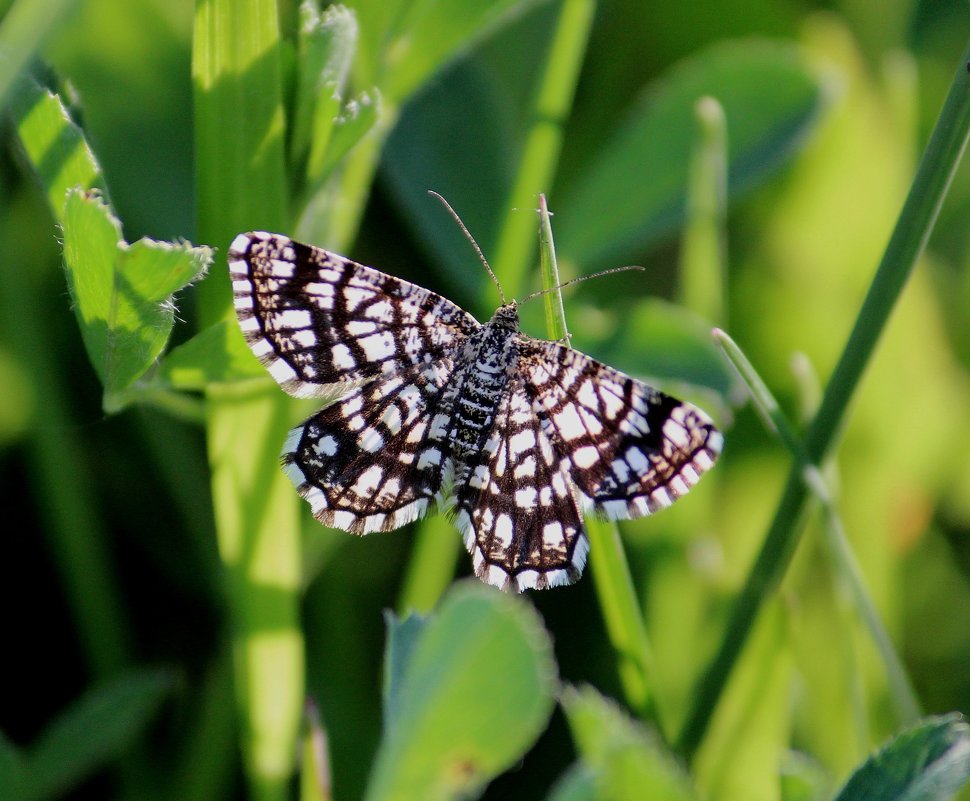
(517, 438)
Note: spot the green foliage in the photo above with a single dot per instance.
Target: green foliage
(627, 762)
(631, 190)
(771, 99)
(23, 29)
(326, 47)
(636, 121)
(475, 688)
(405, 43)
(216, 354)
(928, 762)
(54, 144)
(95, 729)
(122, 294)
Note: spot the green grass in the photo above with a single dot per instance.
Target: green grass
(699, 657)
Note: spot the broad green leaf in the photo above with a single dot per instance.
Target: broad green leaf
(156, 270)
(94, 730)
(219, 353)
(423, 36)
(241, 185)
(633, 191)
(54, 145)
(630, 764)
(476, 692)
(122, 294)
(402, 637)
(239, 130)
(928, 762)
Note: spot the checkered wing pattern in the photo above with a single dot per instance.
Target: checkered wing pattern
(369, 462)
(631, 449)
(517, 509)
(518, 437)
(321, 323)
(573, 435)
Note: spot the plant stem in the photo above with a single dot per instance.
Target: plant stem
(704, 249)
(241, 185)
(849, 572)
(909, 237)
(431, 565)
(611, 572)
(540, 155)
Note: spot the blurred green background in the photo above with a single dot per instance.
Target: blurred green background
(119, 506)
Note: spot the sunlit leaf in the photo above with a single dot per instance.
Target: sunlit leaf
(219, 353)
(122, 294)
(53, 143)
(476, 692)
(630, 763)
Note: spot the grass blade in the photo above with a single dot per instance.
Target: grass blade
(909, 237)
(241, 185)
(608, 564)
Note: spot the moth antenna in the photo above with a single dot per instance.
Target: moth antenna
(471, 239)
(581, 278)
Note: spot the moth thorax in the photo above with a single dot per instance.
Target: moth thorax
(506, 317)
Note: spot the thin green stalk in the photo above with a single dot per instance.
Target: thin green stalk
(704, 251)
(611, 572)
(554, 97)
(764, 402)
(315, 780)
(909, 237)
(431, 566)
(622, 615)
(549, 269)
(850, 574)
(241, 184)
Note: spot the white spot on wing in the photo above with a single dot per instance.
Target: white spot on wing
(503, 530)
(523, 441)
(569, 424)
(585, 457)
(342, 357)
